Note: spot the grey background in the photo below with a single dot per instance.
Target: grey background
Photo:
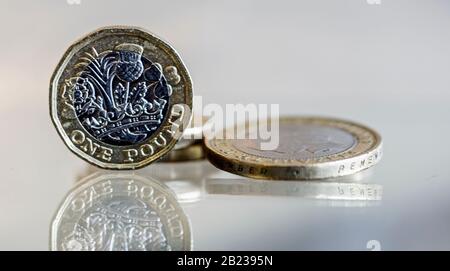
(386, 65)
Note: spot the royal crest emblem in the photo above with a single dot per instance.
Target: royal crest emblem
(120, 97)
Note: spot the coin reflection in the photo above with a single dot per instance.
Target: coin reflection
(185, 179)
(350, 190)
(193, 170)
(120, 211)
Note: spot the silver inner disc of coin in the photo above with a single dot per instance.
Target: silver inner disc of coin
(302, 142)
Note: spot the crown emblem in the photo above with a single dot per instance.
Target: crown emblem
(120, 97)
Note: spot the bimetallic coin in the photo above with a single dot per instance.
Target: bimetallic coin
(309, 148)
(120, 212)
(120, 98)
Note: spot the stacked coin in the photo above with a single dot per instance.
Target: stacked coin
(190, 146)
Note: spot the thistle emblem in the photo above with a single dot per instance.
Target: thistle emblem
(120, 97)
(129, 67)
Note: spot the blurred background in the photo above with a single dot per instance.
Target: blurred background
(384, 63)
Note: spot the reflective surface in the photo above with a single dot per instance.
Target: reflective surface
(120, 212)
(111, 210)
(384, 65)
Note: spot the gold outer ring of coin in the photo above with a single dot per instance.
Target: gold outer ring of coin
(178, 107)
(365, 154)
